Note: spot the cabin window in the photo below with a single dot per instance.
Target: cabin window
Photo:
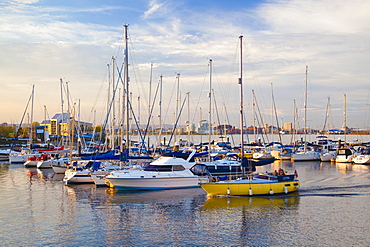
(158, 168)
(178, 168)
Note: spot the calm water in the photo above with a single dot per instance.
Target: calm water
(332, 209)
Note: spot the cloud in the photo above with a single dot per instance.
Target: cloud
(25, 1)
(154, 8)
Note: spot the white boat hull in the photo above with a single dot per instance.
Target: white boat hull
(154, 183)
(30, 163)
(20, 159)
(78, 177)
(362, 159)
(306, 156)
(59, 169)
(326, 157)
(100, 179)
(344, 159)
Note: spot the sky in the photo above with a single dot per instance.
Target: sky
(43, 42)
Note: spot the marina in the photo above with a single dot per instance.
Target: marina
(330, 209)
(168, 134)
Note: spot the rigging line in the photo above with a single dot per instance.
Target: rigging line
(276, 116)
(214, 102)
(225, 92)
(169, 102)
(136, 70)
(24, 113)
(132, 110)
(326, 114)
(177, 120)
(200, 95)
(228, 121)
(97, 97)
(151, 110)
(260, 118)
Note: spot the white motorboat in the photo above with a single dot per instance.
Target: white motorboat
(363, 157)
(167, 172)
(345, 155)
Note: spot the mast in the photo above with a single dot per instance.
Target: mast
(188, 121)
(160, 108)
(345, 118)
(294, 123)
(210, 109)
(31, 132)
(113, 116)
(177, 103)
(127, 90)
(305, 111)
(254, 117)
(150, 99)
(241, 97)
(62, 104)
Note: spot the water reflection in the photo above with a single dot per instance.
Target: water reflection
(252, 203)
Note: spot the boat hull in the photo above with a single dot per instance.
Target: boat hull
(59, 169)
(250, 188)
(74, 177)
(154, 183)
(306, 156)
(362, 159)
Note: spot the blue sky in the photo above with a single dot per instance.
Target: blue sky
(43, 41)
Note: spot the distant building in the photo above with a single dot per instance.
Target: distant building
(203, 127)
(59, 125)
(288, 127)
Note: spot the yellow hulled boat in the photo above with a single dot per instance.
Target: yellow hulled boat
(261, 184)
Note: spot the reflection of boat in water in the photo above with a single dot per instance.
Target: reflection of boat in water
(250, 202)
(260, 184)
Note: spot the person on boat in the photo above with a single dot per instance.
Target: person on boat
(281, 171)
(275, 173)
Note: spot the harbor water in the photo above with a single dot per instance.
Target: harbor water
(331, 209)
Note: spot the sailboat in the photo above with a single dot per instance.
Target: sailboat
(260, 184)
(306, 154)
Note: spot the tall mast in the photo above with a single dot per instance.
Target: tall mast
(241, 97)
(305, 111)
(188, 121)
(31, 132)
(62, 104)
(177, 103)
(345, 119)
(113, 116)
(150, 99)
(160, 108)
(254, 118)
(127, 89)
(210, 108)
